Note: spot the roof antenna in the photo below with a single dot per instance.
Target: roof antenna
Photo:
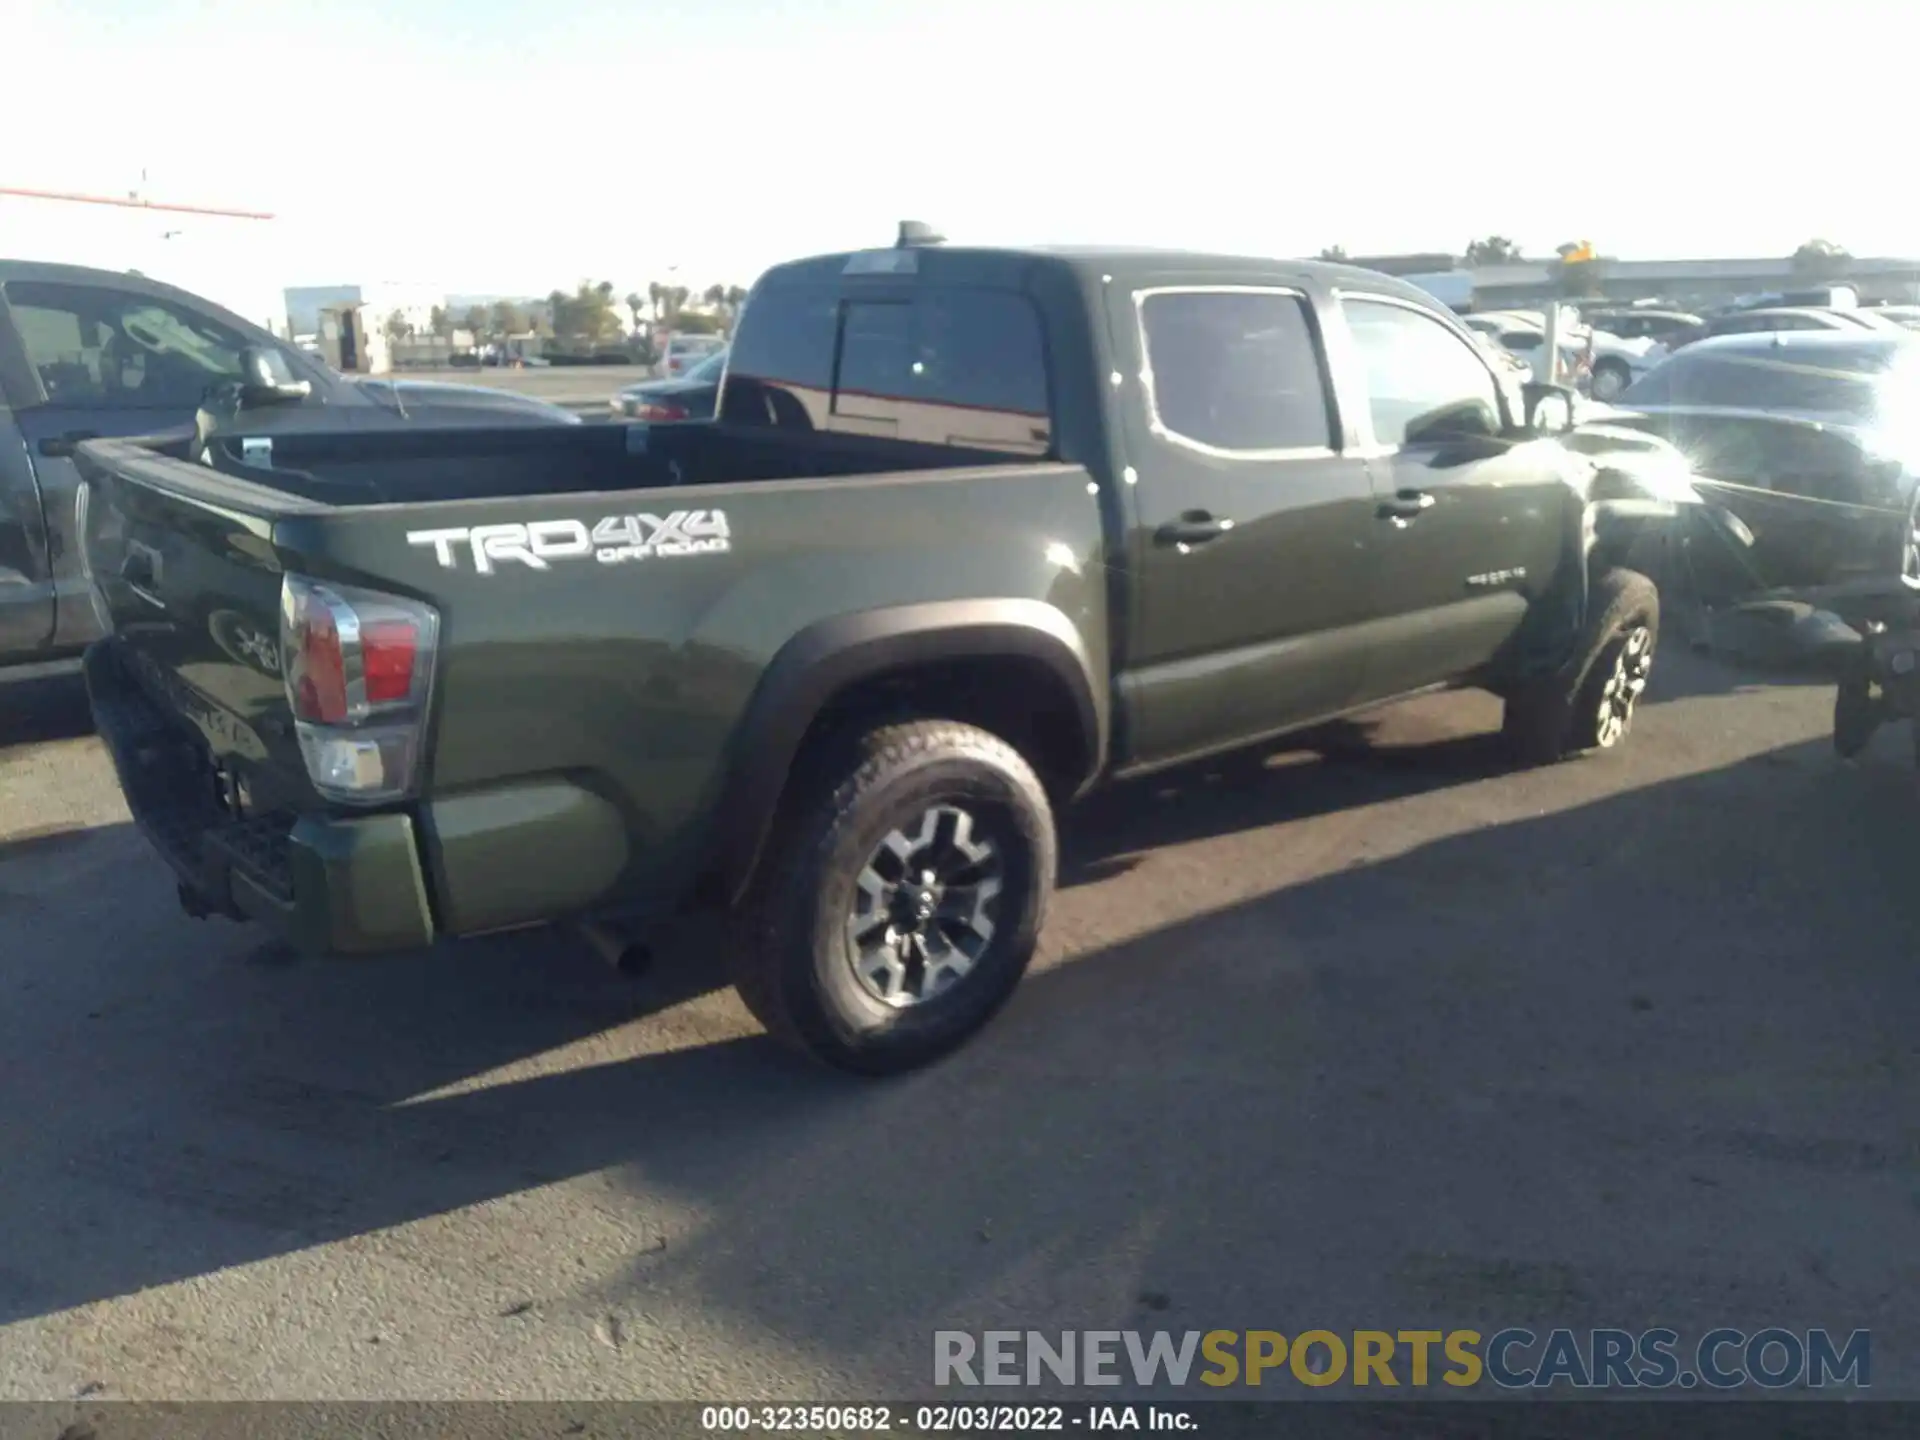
(918, 232)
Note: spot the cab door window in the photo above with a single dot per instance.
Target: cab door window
(1235, 371)
(1424, 383)
(95, 347)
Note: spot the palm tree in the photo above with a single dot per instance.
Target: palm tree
(1494, 250)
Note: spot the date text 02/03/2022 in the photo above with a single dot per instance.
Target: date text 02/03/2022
(942, 1419)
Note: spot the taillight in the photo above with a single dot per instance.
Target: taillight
(652, 410)
(359, 669)
(388, 649)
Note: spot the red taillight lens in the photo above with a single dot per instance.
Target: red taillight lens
(653, 410)
(387, 650)
(317, 675)
(358, 668)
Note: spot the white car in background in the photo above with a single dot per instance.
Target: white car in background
(1905, 316)
(1608, 363)
(682, 352)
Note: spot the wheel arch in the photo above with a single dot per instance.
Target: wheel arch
(911, 656)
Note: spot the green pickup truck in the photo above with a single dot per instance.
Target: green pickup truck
(972, 531)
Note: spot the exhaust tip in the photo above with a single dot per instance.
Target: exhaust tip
(625, 954)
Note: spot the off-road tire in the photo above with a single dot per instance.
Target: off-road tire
(792, 965)
(1558, 716)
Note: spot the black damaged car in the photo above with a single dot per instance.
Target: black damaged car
(1809, 441)
(690, 396)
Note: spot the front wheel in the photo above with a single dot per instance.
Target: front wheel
(1589, 703)
(1610, 377)
(1910, 544)
(904, 899)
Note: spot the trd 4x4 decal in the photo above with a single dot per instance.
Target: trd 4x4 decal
(613, 540)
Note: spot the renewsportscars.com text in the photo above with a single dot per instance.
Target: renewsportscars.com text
(1513, 1359)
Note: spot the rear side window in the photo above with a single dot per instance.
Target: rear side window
(1235, 370)
(947, 366)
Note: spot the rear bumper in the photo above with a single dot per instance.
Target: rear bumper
(345, 886)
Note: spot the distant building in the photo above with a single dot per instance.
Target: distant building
(1433, 264)
(304, 304)
(1700, 283)
(310, 306)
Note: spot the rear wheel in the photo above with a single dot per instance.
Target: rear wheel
(905, 895)
(1589, 704)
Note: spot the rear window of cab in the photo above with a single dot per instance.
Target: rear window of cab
(948, 365)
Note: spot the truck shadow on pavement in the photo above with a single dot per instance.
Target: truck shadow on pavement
(1335, 767)
(35, 711)
(1650, 1053)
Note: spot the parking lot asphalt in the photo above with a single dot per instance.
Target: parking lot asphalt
(581, 388)
(1369, 1032)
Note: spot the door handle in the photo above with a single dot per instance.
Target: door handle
(1405, 505)
(1194, 527)
(59, 447)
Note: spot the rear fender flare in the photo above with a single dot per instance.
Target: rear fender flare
(828, 657)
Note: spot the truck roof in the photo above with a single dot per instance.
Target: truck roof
(1128, 265)
(45, 272)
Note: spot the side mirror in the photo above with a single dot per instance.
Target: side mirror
(267, 379)
(1549, 407)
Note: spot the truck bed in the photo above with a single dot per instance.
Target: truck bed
(602, 635)
(383, 468)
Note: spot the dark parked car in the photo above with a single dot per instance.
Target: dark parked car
(974, 531)
(690, 396)
(96, 352)
(1812, 440)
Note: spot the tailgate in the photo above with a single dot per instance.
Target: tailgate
(189, 585)
(229, 766)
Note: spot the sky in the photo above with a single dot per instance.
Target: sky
(500, 146)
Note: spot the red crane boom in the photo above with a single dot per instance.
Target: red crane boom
(130, 202)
